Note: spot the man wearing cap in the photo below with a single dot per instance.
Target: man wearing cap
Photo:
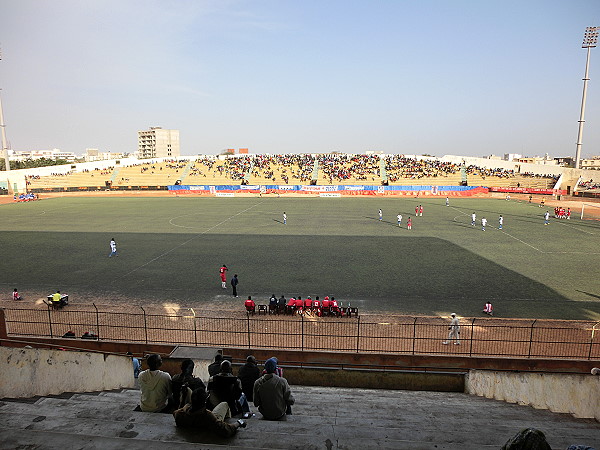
(272, 394)
(454, 330)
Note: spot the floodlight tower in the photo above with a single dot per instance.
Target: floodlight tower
(590, 38)
(2, 126)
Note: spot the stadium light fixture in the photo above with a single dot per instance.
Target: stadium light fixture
(590, 39)
(2, 127)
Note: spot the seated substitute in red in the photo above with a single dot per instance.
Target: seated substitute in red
(299, 304)
(308, 302)
(250, 305)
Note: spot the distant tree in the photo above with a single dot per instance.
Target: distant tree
(32, 163)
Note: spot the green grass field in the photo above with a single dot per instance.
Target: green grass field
(170, 250)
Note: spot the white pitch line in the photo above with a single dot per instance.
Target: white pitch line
(571, 226)
(574, 253)
(523, 242)
(188, 241)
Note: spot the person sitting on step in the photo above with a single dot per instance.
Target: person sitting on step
(196, 415)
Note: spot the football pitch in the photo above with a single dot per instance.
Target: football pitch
(170, 250)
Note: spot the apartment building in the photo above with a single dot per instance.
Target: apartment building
(158, 143)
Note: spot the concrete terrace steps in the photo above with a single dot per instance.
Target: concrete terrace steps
(323, 418)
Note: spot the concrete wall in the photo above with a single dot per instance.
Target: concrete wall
(28, 372)
(578, 395)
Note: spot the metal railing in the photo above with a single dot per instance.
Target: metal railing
(364, 334)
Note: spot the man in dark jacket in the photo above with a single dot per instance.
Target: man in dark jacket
(185, 382)
(226, 387)
(195, 415)
(249, 373)
(215, 367)
(234, 283)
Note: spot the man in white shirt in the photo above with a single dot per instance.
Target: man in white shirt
(113, 248)
(454, 330)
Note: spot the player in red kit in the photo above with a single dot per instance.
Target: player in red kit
(409, 224)
(223, 274)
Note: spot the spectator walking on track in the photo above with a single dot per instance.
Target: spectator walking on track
(454, 331)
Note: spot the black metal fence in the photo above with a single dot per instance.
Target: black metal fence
(363, 334)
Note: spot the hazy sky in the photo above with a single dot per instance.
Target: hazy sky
(456, 77)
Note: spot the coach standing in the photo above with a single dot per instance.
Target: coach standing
(234, 283)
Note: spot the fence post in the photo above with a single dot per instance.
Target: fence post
(531, 338)
(248, 327)
(414, 339)
(97, 321)
(471, 345)
(302, 334)
(592, 340)
(50, 321)
(358, 335)
(3, 329)
(145, 325)
(195, 327)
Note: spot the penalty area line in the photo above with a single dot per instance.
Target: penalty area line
(187, 242)
(523, 242)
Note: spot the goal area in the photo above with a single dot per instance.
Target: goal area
(590, 211)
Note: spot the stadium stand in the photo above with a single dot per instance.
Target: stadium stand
(323, 169)
(323, 417)
(349, 169)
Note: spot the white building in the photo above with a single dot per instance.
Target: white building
(93, 154)
(158, 143)
(39, 154)
(593, 163)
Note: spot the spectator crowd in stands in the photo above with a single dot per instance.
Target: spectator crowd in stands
(400, 166)
(208, 407)
(300, 168)
(591, 184)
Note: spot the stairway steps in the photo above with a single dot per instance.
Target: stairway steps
(323, 418)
